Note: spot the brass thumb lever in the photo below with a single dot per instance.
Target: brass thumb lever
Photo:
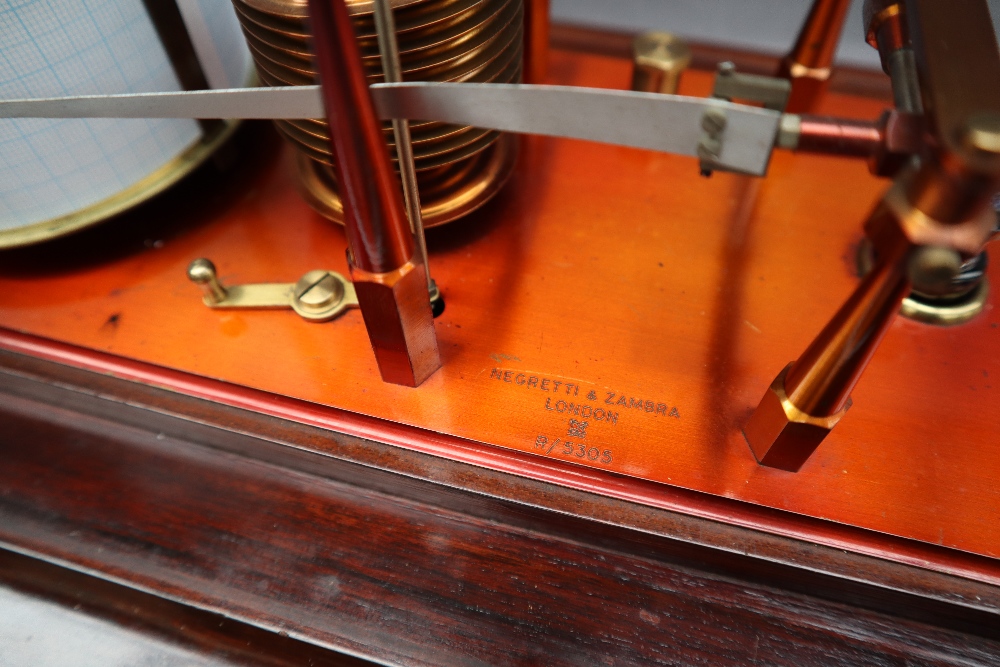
(318, 296)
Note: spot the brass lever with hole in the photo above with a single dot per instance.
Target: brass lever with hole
(318, 296)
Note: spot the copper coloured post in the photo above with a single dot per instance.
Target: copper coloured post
(809, 397)
(810, 61)
(391, 284)
(536, 40)
(937, 214)
(385, 29)
(887, 30)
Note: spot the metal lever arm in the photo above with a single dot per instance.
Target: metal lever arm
(668, 123)
(318, 296)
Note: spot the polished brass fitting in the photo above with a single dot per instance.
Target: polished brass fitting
(398, 317)
(658, 58)
(782, 436)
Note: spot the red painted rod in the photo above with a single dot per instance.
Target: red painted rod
(378, 232)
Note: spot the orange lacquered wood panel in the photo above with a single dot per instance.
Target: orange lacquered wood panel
(606, 285)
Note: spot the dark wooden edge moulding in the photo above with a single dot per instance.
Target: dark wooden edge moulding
(173, 514)
(680, 501)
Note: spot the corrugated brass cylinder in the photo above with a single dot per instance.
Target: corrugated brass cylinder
(458, 168)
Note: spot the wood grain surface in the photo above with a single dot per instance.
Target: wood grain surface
(609, 273)
(231, 534)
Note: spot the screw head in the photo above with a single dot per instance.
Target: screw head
(713, 121)
(318, 289)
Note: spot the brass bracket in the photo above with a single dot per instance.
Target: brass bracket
(318, 296)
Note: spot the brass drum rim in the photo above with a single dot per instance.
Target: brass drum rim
(418, 17)
(448, 34)
(423, 125)
(290, 26)
(294, 32)
(483, 37)
(459, 168)
(159, 180)
(317, 150)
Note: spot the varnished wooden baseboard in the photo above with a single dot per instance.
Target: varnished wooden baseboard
(353, 547)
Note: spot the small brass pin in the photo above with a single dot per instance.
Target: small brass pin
(202, 272)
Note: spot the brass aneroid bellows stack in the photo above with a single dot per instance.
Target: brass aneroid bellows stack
(459, 168)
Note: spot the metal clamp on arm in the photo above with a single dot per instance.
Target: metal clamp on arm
(770, 92)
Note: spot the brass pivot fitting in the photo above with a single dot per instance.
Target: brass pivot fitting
(936, 216)
(783, 436)
(658, 58)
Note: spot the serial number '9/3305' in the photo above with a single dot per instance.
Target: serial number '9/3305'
(575, 449)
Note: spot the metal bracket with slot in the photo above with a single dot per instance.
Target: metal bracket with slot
(318, 296)
(770, 92)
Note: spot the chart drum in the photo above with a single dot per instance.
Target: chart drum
(57, 176)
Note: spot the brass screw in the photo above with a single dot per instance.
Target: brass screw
(202, 272)
(318, 290)
(714, 122)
